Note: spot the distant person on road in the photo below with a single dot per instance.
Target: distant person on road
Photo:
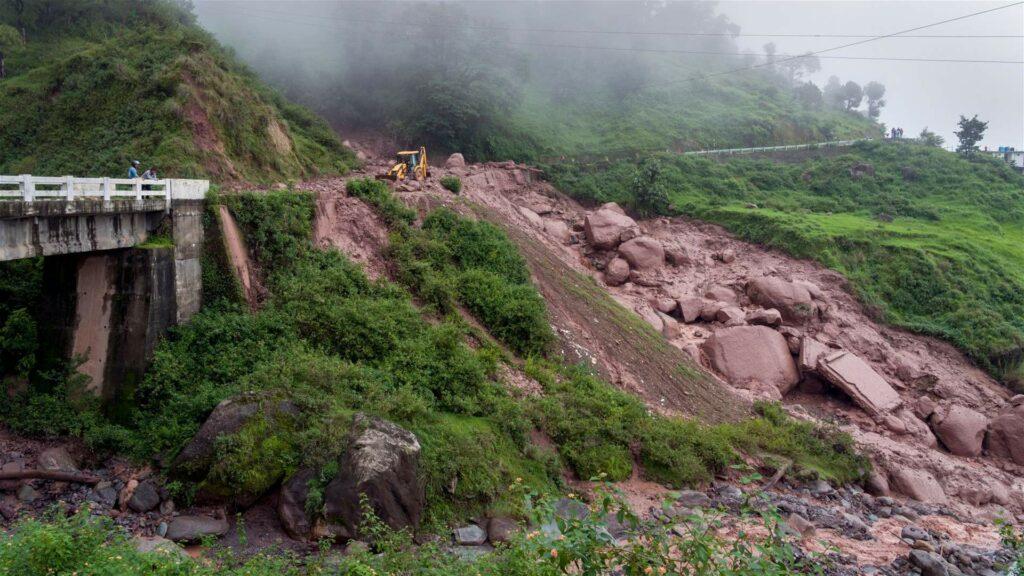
(899, 132)
(892, 133)
(133, 169)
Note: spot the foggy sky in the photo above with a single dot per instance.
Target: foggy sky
(918, 94)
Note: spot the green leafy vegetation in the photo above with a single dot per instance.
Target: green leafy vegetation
(98, 85)
(452, 183)
(931, 241)
(330, 342)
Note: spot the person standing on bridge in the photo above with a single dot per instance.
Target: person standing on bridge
(133, 169)
(149, 174)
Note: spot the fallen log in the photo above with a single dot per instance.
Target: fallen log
(57, 475)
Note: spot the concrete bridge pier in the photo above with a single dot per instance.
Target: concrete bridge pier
(110, 292)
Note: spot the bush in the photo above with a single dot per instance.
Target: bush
(376, 193)
(452, 184)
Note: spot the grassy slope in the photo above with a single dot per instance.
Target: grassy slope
(948, 264)
(719, 113)
(86, 101)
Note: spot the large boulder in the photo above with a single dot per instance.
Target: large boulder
(616, 272)
(291, 504)
(455, 161)
(608, 226)
(860, 382)
(643, 253)
(721, 294)
(752, 353)
(1006, 434)
(919, 485)
(793, 300)
(57, 459)
(960, 429)
(382, 462)
(194, 528)
(690, 308)
(229, 417)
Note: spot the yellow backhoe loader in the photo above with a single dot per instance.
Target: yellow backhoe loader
(408, 162)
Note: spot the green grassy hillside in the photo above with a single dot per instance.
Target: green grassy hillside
(95, 86)
(933, 242)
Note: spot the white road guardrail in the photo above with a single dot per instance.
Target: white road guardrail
(29, 188)
(832, 144)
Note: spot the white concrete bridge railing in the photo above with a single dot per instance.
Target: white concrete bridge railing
(29, 188)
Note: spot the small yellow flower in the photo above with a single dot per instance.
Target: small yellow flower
(661, 570)
(554, 553)
(648, 570)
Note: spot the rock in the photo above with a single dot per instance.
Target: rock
(13, 466)
(616, 272)
(770, 317)
(693, 499)
(976, 494)
(455, 161)
(709, 312)
(144, 498)
(924, 407)
(961, 430)
(747, 353)
(158, 545)
(291, 504)
(382, 462)
(811, 351)
(605, 227)
(877, 484)
(792, 300)
(669, 326)
(854, 522)
(860, 382)
(361, 156)
(690, 308)
(558, 230)
(914, 532)
(643, 253)
(664, 305)
(694, 352)
(501, 529)
(471, 535)
(677, 255)
(532, 217)
(167, 507)
(227, 418)
(931, 564)
(103, 493)
(801, 526)
(27, 494)
(725, 256)
(731, 316)
(194, 528)
(722, 294)
(56, 458)
(1006, 433)
(919, 485)
(470, 553)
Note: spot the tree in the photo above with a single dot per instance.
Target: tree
(10, 38)
(769, 54)
(833, 93)
(853, 95)
(809, 95)
(648, 194)
(795, 68)
(970, 133)
(931, 138)
(874, 91)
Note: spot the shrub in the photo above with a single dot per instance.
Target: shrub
(514, 314)
(378, 195)
(452, 184)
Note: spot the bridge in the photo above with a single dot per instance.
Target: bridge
(121, 265)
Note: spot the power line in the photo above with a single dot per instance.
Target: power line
(680, 51)
(847, 45)
(633, 32)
